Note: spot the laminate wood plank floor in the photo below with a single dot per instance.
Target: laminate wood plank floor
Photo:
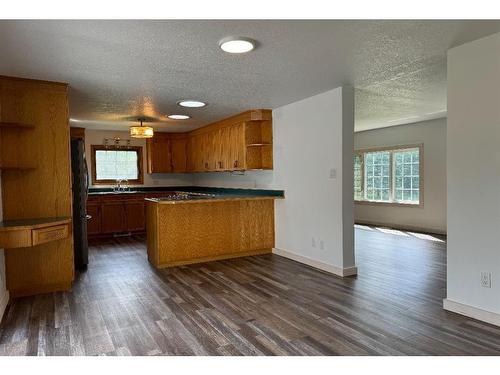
(261, 305)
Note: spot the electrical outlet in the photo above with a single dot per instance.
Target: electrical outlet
(321, 245)
(486, 279)
(313, 242)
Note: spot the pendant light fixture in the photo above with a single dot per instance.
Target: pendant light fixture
(141, 131)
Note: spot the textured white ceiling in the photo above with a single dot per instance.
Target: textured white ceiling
(120, 70)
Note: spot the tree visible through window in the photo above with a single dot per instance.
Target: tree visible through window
(388, 175)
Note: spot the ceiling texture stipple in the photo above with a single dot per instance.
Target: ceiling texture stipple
(121, 70)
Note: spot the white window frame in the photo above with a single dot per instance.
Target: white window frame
(392, 201)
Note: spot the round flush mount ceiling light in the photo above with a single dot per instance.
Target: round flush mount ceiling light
(237, 44)
(191, 103)
(178, 117)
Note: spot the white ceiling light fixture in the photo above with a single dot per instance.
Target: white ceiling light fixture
(191, 103)
(237, 44)
(178, 117)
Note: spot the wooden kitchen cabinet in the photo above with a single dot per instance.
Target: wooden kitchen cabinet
(235, 157)
(118, 213)
(239, 143)
(113, 217)
(94, 223)
(134, 216)
(242, 142)
(178, 154)
(158, 153)
(166, 153)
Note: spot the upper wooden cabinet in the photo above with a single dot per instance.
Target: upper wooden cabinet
(166, 153)
(238, 143)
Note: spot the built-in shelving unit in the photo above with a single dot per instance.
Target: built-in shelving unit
(35, 167)
(259, 141)
(8, 165)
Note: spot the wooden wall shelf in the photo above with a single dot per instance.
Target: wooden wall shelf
(32, 232)
(16, 125)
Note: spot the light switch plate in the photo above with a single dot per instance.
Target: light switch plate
(333, 173)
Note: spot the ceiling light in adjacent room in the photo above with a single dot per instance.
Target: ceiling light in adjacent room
(191, 103)
(237, 44)
(141, 131)
(178, 117)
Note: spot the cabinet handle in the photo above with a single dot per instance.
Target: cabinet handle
(206, 165)
(235, 164)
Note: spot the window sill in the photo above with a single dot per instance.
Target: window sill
(390, 204)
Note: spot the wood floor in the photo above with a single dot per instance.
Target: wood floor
(263, 305)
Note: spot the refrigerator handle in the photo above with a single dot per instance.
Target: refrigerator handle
(87, 182)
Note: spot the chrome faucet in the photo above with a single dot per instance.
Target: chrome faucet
(121, 186)
(118, 186)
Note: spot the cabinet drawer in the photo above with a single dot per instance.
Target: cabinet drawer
(44, 235)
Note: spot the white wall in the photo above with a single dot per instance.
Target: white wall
(432, 216)
(4, 295)
(311, 137)
(473, 155)
(96, 137)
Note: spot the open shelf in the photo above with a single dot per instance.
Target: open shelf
(15, 125)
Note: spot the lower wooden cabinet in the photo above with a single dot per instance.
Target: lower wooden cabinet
(112, 217)
(115, 214)
(134, 216)
(94, 222)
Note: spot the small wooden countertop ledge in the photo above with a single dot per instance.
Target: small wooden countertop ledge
(32, 232)
(11, 225)
(212, 200)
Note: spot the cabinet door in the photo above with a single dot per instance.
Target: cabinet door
(94, 224)
(178, 152)
(135, 216)
(206, 150)
(190, 154)
(216, 159)
(226, 162)
(158, 154)
(237, 147)
(112, 217)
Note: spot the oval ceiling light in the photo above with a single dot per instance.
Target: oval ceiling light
(237, 44)
(178, 117)
(190, 103)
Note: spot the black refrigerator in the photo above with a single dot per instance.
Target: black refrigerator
(80, 191)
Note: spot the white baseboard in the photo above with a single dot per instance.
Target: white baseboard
(4, 300)
(342, 272)
(472, 312)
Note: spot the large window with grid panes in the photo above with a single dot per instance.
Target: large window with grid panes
(389, 175)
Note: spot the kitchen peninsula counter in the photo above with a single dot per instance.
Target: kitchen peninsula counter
(211, 225)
